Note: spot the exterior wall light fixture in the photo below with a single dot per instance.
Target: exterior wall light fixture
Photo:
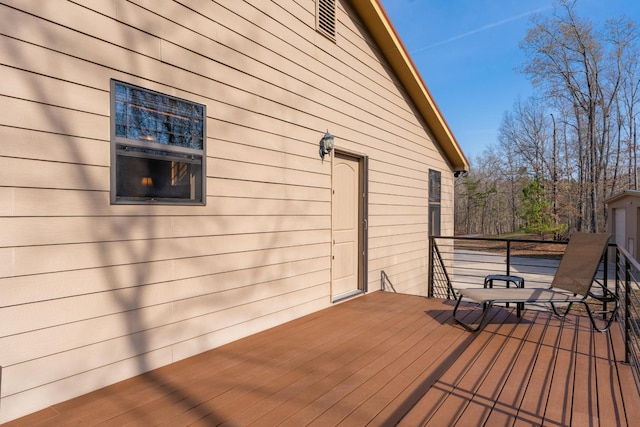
(326, 145)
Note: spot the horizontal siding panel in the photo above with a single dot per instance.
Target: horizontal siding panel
(397, 271)
(271, 43)
(266, 190)
(227, 280)
(42, 259)
(392, 230)
(271, 207)
(118, 62)
(366, 66)
(39, 343)
(405, 201)
(400, 239)
(257, 96)
(261, 81)
(305, 145)
(108, 8)
(161, 19)
(44, 174)
(393, 220)
(398, 210)
(43, 287)
(7, 257)
(400, 248)
(73, 22)
(20, 113)
(29, 86)
(396, 116)
(46, 314)
(207, 226)
(32, 231)
(29, 144)
(397, 261)
(413, 272)
(41, 202)
(269, 156)
(222, 296)
(234, 299)
(389, 188)
(207, 265)
(96, 75)
(34, 288)
(416, 284)
(41, 60)
(255, 172)
(7, 195)
(418, 173)
(377, 176)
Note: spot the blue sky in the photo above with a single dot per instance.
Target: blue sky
(467, 50)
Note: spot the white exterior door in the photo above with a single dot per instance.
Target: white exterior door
(345, 225)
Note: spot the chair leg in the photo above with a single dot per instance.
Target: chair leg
(555, 310)
(485, 309)
(612, 317)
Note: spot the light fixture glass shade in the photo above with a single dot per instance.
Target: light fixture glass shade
(328, 142)
(326, 145)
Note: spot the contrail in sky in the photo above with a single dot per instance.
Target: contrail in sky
(478, 30)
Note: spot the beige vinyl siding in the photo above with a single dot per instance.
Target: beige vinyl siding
(102, 292)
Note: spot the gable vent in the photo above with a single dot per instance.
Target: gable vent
(326, 17)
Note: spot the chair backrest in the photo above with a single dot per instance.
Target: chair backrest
(580, 262)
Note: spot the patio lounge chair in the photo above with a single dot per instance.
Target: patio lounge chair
(572, 283)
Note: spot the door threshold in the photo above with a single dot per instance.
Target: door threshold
(347, 295)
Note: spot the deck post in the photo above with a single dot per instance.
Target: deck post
(627, 310)
(508, 257)
(430, 269)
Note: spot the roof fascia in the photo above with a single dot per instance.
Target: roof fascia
(379, 25)
(622, 195)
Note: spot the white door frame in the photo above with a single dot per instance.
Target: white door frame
(361, 251)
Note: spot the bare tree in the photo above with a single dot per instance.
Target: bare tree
(577, 135)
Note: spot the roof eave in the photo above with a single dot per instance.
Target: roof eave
(621, 195)
(375, 18)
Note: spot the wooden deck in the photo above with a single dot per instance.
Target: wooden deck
(382, 359)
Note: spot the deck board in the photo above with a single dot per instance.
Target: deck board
(511, 391)
(443, 394)
(508, 365)
(467, 393)
(382, 359)
(557, 405)
(585, 397)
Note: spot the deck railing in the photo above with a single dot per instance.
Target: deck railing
(627, 273)
(464, 262)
